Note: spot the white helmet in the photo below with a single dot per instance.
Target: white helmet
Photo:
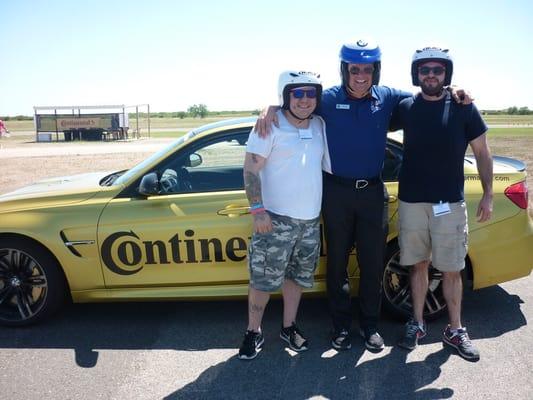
(291, 79)
(432, 54)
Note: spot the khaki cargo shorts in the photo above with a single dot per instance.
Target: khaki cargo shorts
(442, 239)
(290, 251)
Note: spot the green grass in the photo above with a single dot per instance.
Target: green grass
(493, 132)
(508, 119)
(179, 126)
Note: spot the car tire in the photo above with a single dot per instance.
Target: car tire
(397, 288)
(32, 285)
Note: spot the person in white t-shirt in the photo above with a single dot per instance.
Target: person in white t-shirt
(283, 182)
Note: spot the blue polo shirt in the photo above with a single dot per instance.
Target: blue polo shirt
(356, 129)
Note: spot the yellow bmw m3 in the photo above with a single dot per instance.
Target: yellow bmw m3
(177, 226)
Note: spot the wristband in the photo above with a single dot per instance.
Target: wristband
(256, 206)
(257, 210)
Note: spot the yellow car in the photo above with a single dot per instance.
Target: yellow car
(177, 226)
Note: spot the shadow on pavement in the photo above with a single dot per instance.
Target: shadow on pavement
(187, 326)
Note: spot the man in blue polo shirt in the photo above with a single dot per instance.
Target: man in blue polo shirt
(354, 206)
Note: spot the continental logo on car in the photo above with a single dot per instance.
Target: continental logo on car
(125, 253)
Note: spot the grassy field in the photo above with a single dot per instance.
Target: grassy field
(508, 119)
(176, 125)
(510, 131)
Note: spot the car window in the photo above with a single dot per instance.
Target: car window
(213, 164)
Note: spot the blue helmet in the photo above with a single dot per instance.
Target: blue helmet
(360, 52)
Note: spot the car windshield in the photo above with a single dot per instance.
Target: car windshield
(139, 167)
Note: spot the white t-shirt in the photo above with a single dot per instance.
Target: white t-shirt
(291, 180)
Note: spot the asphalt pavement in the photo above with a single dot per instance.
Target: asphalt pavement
(183, 350)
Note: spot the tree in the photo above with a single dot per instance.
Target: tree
(198, 110)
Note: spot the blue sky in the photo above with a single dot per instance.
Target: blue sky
(228, 54)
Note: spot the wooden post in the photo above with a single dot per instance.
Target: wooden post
(137, 118)
(148, 105)
(55, 117)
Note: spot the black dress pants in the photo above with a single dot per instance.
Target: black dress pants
(357, 216)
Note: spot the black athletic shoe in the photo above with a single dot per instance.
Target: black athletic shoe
(461, 341)
(373, 340)
(294, 337)
(251, 345)
(413, 332)
(341, 340)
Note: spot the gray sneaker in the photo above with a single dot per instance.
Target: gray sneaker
(413, 332)
(461, 341)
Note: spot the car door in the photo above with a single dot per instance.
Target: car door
(194, 232)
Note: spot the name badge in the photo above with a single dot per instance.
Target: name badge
(343, 106)
(305, 133)
(441, 209)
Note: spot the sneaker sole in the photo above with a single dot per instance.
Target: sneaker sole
(286, 339)
(465, 356)
(405, 346)
(374, 348)
(370, 347)
(337, 347)
(258, 349)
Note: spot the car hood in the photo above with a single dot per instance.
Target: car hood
(60, 190)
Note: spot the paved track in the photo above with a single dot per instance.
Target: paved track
(187, 351)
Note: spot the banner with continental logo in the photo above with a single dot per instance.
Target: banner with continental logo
(47, 123)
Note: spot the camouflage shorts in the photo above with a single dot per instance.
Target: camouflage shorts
(290, 251)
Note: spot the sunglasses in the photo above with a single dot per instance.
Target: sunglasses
(365, 70)
(300, 93)
(427, 70)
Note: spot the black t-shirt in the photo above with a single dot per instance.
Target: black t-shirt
(436, 134)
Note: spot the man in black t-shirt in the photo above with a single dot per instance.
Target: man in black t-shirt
(433, 218)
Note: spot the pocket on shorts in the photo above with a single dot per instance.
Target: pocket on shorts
(257, 255)
(450, 248)
(304, 259)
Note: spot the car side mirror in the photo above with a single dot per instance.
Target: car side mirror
(195, 160)
(149, 185)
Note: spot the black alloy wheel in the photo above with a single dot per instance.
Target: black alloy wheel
(31, 284)
(397, 288)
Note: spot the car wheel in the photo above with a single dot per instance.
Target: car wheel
(32, 286)
(397, 288)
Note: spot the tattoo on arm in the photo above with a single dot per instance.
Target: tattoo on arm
(252, 185)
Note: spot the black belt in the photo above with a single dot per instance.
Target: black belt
(352, 182)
